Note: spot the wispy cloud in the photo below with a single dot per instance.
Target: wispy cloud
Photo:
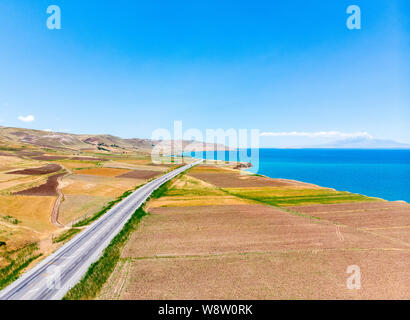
(319, 134)
(29, 118)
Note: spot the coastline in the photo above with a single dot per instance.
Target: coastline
(374, 173)
(247, 166)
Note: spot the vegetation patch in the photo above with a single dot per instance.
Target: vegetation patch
(66, 235)
(188, 191)
(10, 219)
(18, 260)
(139, 174)
(88, 220)
(284, 197)
(100, 271)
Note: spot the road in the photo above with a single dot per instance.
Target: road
(55, 275)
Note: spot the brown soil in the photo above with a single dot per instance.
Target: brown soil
(231, 179)
(103, 172)
(45, 158)
(239, 228)
(369, 219)
(139, 174)
(47, 189)
(29, 153)
(89, 159)
(362, 215)
(358, 206)
(50, 168)
(401, 233)
(253, 251)
(277, 275)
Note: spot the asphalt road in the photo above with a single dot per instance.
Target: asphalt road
(55, 275)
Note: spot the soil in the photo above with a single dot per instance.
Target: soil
(276, 275)
(47, 189)
(203, 230)
(139, 174)
(89, 159)
(45, 158)
(50, 168)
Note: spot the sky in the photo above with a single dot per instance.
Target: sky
(291, 69)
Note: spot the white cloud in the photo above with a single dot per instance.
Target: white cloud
(319, 134)
(29, 118)
(48, 130)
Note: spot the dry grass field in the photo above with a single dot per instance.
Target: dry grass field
(260, 245)
(76, 207)
(30, 181)
(103, 172)
(215, 233)
(32, 211)
(188, 191)
(387, 219)
(272, 275)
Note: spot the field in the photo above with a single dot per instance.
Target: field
(38, 182)
(47, 189)
(104, 172)
(286, 196)
(260, 245)
(229, 178)
(76, 207)
(49, 168)
(32, 211)
(387, 219)
(212, 233)
(273, 275)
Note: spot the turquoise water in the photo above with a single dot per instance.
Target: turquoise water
(378, 173)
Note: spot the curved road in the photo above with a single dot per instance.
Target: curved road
(55, 275)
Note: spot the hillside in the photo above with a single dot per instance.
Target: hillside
(37, 139)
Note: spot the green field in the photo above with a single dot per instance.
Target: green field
(284, 197)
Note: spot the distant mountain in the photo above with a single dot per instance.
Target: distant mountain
(365, 143)
(17, 137)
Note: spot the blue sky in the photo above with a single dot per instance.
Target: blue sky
(130, 67)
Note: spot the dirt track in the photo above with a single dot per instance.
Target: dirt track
(57, 203)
